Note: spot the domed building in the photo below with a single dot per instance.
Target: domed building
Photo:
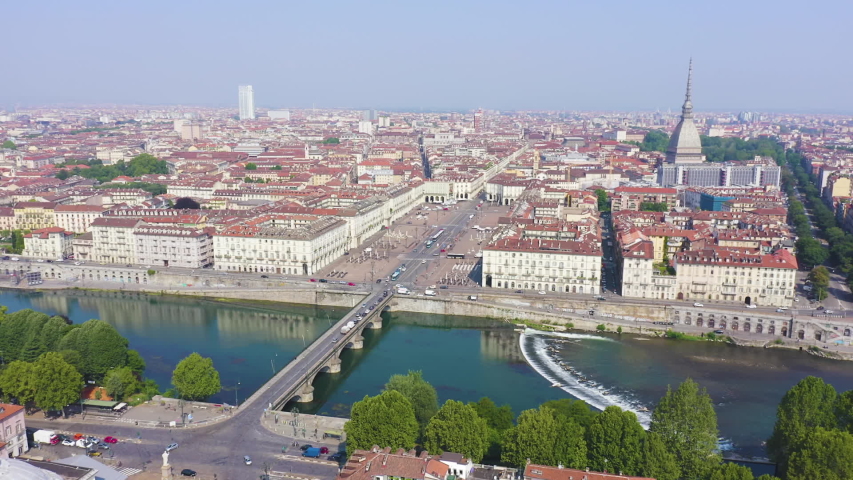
(685, 146)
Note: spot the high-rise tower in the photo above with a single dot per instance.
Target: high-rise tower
(685, 146)
(247, 102)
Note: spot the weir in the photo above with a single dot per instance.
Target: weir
(295, 381)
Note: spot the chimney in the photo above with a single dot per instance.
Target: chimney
(560, 466)
(385, 460)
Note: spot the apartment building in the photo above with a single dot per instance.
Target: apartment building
(571, 266)
(113, 240)
(631, 198)
(34, 215)
(52, 243)
(172, 246)
(77, 218)
(13, 431)
(289, 244)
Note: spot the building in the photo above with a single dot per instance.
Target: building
(630, 198)
(246, 99)
(382, 464)
(279, 114)
(289, 244)
(34, 215)
(732, 274)
(544, 472)
(77, 218)
(113, 240)
(685, 145)
(570, 266)
(172, 246)
(191, 131)
(52, 243)
(13, 431)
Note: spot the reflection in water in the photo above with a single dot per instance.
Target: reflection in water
(247, 342)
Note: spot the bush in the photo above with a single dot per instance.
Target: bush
(619, 329)
(778, 341)
(151, 272)
(601, 328)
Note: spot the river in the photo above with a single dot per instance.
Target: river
(464, 358)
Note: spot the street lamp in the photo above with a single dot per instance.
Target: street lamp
(236, 389)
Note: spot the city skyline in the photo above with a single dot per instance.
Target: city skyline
(548, 56)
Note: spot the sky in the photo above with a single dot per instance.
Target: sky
(624, 55)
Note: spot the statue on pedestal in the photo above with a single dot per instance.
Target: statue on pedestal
(165, 459)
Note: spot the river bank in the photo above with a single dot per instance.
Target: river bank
(526, 314)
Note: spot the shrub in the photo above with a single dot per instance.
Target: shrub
(151, 272)
(601, 328)
(619, 329)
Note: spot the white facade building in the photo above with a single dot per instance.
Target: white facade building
(52, 243)
(171, 246)
(113, 240)
(77, 218)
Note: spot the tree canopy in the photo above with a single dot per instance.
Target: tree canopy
(100, 346)
(687, 425)
(55, 382)
(655, 141)
(195, 378)
(498, 418)
(824, 454)
(139, 165)
(9, 144)
(186, 203)
(614, 442)
(419, 392)
(653, 207)
(456, 427)
(387, 419)
(545, 439)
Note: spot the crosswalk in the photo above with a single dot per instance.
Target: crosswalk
(129, 471)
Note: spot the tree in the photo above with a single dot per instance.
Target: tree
(195, 378)
(135, 362)
(456, 427)
(100, 345)
(120, 382)
(570, 445)
(251, 166)
(658, 462)
(420, 393)
(498, 418)
(533, 438)
(332, 140)
(614, 442)
(56, 383)
(603, 202)
(576, 410)
(810, 251)
(824, 454)
(807, 405)
(186, 203)
(655, 141)
(731, 471)
(653, 207)
(387, 420)
(9, 144)
(16, 381)
(687, 424)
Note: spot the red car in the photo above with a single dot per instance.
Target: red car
(110, 440)
(351, 284)
(324, 450)
(313, 280)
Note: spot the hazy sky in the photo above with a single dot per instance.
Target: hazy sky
(523, 54)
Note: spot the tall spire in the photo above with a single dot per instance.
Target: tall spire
(687, 109)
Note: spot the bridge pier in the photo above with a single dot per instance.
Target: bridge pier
(356, 342)
(375, 322)
(334, 365)
(306, 394)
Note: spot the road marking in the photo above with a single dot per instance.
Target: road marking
(129, 471)
(306, 459)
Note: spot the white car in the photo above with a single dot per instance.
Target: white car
(697, 304)
(751, 306)
(781, 310)
(68, 442)
(541, 292)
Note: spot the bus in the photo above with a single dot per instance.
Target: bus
(456, 256)
(396, 274)
(434, 238)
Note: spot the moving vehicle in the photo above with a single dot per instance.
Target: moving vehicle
(312, 452)
(46, 436)
(171, 447)
(396, 274)
(247, 459)
(541, 292)
(752, 306)
(781, 310)
(697, 304)
(719, 332)
(473, 298)
(403, 291)
(110, 439)
(323, 280)
(429, 293)
(188, 473)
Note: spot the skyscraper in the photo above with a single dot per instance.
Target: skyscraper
(247, 102)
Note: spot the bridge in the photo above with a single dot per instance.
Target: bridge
(295, 381)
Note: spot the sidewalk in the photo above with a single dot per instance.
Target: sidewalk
(304, 428)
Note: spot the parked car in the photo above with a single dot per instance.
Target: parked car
(265, 276)
(352, 284)
(324, 450)
(305, 447)
(697, 304)
(541, 292)
(336, 457)
(247, 459)
(519, 291)
(188, 473)
(323, 280)
(719, 332)
(110, 439)
(312, 280)
(752, 306)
